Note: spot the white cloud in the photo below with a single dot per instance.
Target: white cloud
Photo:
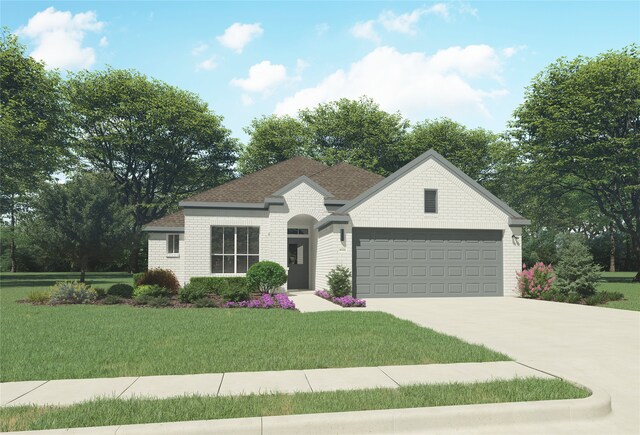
(199, 49)
(246, 100)
(238, 35)
(406, 23)
(414, 83)
(301, 65)
(321, 29)
(207, 65)
(104, 42)
(58, 37)
(365, 30)
(263, 77)
(511, 51)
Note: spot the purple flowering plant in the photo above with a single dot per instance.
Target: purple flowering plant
(344, 301)
(265, 301)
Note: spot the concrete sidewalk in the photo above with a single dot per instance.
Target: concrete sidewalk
(71, 391)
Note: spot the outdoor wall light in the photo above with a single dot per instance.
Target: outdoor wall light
(515, 240)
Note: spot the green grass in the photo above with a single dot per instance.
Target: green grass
(88, 341)
(106, 412)
(621, 282)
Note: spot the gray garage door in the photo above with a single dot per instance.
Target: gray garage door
(427, 263)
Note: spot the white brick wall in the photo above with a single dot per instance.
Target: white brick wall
(401, 204)
(332, 252)
(158, 256)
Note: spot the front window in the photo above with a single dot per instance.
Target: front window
(173, 244)
(234, 249)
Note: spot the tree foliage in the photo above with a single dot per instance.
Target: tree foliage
(353, 131)
(579, 129)
(159, 143)
(468, 149)
(33, 127)
(81, 221)
(272, 139)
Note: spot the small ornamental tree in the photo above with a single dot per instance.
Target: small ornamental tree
(266, 276)
(576, 271)
(339, 280)
(536, 280)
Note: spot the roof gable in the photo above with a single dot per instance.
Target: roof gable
(514, 217)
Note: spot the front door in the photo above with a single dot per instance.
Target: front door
(298, 262)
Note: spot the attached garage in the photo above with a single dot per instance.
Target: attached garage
(406, 262)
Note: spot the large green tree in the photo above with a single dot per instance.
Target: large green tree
(159, 143)
(468, 149)
(33, 126)
(81, 221)
(272, 139)
(357, 132)
(353, 131)
(578, 131)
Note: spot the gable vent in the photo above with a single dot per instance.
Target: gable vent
(430, 201)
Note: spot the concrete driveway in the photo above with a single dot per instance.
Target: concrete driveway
(593, 346)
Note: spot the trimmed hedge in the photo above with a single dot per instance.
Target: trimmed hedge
(228, 288)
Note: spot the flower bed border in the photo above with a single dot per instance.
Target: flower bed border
(344, 301)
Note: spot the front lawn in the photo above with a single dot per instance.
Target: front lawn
(106, 412)
(621, 282)
(87, 341)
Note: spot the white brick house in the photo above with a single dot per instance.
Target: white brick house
(427, 230)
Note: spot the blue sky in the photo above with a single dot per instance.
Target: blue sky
(469, 61)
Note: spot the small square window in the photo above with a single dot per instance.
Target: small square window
(430, 201)
(173, 244)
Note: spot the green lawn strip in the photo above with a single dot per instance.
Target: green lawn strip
(621, 282)
(105, 412)
(88, 341)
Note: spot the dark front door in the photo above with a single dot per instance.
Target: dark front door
(298, 262)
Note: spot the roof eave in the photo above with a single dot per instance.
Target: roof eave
(161, 229)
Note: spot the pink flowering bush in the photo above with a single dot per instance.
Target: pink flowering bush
(344, 301)
(536, 280)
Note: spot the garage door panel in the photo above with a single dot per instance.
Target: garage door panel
(418, 262)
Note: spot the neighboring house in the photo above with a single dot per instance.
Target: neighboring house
(427, 230)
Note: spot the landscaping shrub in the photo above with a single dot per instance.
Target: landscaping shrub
(280, 300)
(234, 293)
(603, 297)
(205, 303)
(39, 297)
(112, 300)
(228, 288)
(137, 278)
(122, 290)
(194, 291)
(152, 301)
(151, 291)
(576, 271)
(573, 298)
(160, 277)
(535, 281)
(266, 276)
(339, 280)
(100, 292)
(72, 292)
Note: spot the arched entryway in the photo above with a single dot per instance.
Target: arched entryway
(302, 241)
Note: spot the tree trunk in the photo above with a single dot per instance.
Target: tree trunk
(83, 272)
(612, 252)
(635, 244)
(12, 244)
(134, 256)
